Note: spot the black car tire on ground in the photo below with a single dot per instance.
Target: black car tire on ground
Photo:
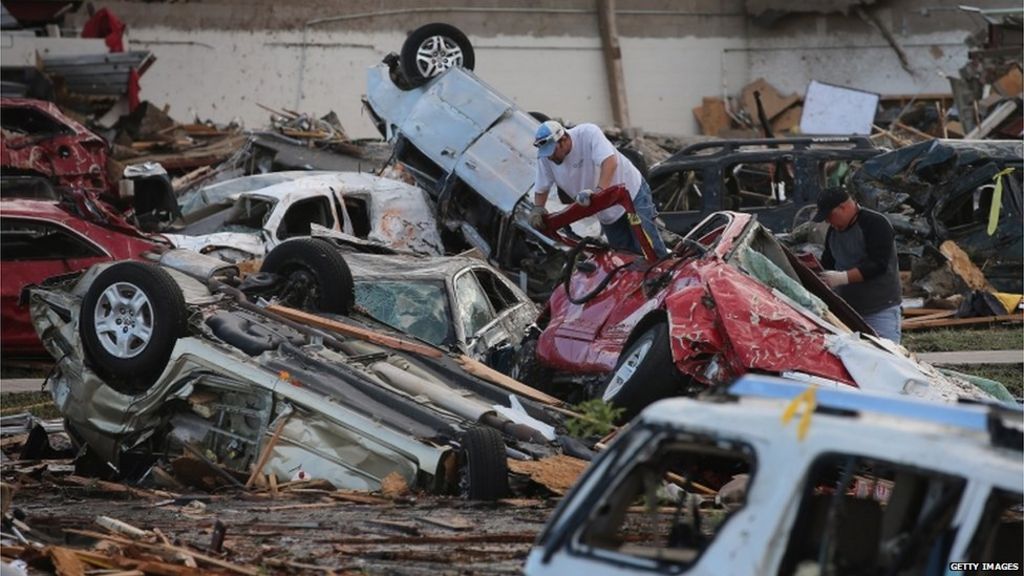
(316, 274)
(485, 465)
(651, 375)
(133, 367)
(457, 51)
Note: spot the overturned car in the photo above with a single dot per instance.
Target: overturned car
(246, 217)
(728, 300)
(159, 362)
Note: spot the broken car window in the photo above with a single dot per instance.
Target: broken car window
(1000, 530)
(758, 185)
(683, 191)
(659, 511)
(419, 309)
(36, 240)
(500, 296)
(300, 216)
(30, 121)
(248, 215)
(864, 516)
(474, 310)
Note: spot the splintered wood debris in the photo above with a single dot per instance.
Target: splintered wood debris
(556, 473)
(65, 524)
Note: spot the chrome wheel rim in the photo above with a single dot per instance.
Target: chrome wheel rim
(626, 370)
(123, 320)
(437, 54)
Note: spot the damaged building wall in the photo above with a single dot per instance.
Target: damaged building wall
(232, 58)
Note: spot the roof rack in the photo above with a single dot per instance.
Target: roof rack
(803, 142)
(979, 417)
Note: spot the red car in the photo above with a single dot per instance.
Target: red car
(38, 139)
(44, 238)
(719, 306)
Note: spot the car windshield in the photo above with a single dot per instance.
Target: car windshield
(222, 192)
(417, 308)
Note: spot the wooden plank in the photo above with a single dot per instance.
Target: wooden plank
(66, 562)
(355, 331)
(945, 323)
(265, 454)
(935, 316)
(481, 370)
(613, 61)
(922, 311)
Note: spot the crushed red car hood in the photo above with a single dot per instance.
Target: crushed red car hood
(734, 320)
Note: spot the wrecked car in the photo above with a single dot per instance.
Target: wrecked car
(969, 192)
(155, 363)
(729, 299)
(453, 302)
(472, 150)
(38, 139)
(778, 179)
(726, 486)
(244, 218)
(44, 238)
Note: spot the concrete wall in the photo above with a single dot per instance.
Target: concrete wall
(220, 60)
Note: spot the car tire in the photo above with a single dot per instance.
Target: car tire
(484, 465)
(316, 275)
(131, 318)
(644, 373)
(432, 49)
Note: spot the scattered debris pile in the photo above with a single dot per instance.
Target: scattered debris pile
(969, 192)
(984, 102)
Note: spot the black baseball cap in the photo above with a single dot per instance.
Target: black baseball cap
(828, 200)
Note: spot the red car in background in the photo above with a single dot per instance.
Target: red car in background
(44, 238)
(39, 140)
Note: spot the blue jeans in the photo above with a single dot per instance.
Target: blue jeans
(620, 233)
(886, 323)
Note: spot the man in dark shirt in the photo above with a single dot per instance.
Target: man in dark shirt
(860, 261)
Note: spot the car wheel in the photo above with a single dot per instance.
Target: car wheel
(644, 373)
(432, 49)
(484, 465)
(315, 274)
(132, 315)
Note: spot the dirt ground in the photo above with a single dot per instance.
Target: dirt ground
(310, 533)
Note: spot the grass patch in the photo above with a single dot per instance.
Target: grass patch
(951, 340)
(39, 404)
(1009, 375)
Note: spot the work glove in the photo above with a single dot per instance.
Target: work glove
(537, 214)
(583, 198)
(835, 278)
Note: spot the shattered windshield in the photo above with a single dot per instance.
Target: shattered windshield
(222, 192)
(419, 309)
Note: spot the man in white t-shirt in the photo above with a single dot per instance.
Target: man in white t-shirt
(582, 161)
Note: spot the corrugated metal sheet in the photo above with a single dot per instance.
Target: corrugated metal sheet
(98, 74)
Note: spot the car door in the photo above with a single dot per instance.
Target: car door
(514, 309)
(32, 251)
(479, 328)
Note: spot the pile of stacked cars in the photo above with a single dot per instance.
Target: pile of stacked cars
(157, 362)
